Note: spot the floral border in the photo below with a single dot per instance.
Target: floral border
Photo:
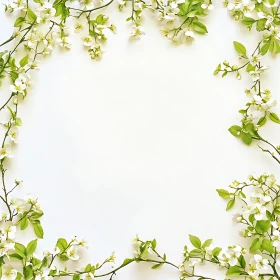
(42, 25)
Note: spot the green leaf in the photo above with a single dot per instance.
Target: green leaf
(223, 193)
(265, 47)
(21, 250)
(234, 271)
(24, 61)
(262, 121)
(27, 272)
(240, 48)
(157, 266)
(62, 244)
(242, 261)
(274, 118)
(63, 257)
(31, 247)
(248, 21)
(262, 226)
(216, 251)
(15, 257)
(76, 277)
(207, 243)
(38, 228)
(256, 245)
(250, 67)
(31, 15)
(19, 276)
(235, 130)
(19, 21)
(230, 204)
(199, 27)
(261, 24)
(126, 262)
(195, 253)
(23, 223)
(246, 138)
(266, 245)
(195, 241)
(154, 244)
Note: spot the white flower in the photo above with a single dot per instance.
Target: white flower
(189, 35)
(259, 212)
(5, 152)
(6, 246)
(88, 41)
(64, 42)
(260, 262)
(255, 75)
(237, 218)
(207, 5)
(88, 4)
(88, 276)
(72, 253)
(17, 4)
(276, 238)
(233, 254)
(9, 231)
(137, 31)
(248, 7)
(278, 260)
(234, 5)
(43, 275)
(18, 86)
(256, 59)
(8, 272)
(13, 134)
(78, 27)
(276, 224)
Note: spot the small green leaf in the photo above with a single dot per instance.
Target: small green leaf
(199, 27)
(248, 21)
(154, 244)
(262, 121)
(31, 15)
(23, 223)
(261, 24)
(223, 193)
(21, 250)
(62, 244)
(38, 228)
(195, 241)
(157, 266)
(240, 48)
(216, 251)
(242, 261)
(274, 118)
(31, 247)
(126, 262)
(256, 245)
(235, 130)
(230, 204)
(262, 226)
(246, 138)
(24, 61)
(207, 243)
(19, 21)
(234, 271)
(16, 257)
(266, 245)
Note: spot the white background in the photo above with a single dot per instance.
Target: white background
(138, 142)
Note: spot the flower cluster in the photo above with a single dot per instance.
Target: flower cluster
(179, 19)
(260, 218)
